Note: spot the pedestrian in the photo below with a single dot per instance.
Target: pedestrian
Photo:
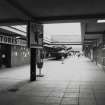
(62, 58)
(78, 55)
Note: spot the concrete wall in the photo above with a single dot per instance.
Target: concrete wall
(99, 57)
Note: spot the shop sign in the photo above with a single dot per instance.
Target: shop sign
(12, 41)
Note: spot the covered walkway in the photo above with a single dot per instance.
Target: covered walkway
(76, 82)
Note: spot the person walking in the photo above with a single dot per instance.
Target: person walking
(62, 58)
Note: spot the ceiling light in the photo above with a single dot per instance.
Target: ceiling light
(18, 37)
(101, 21)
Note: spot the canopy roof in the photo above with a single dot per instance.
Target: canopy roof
(47, 11)
(50, 10)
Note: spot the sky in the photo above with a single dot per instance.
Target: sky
(62, 29)
(73, 29)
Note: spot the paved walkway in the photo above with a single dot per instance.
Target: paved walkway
(76, 82)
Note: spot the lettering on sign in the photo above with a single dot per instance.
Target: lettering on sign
(12, 41)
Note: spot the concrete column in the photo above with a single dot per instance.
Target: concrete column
(33, 64)
(83, 29)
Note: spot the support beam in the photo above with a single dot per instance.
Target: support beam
(66, 44)
(90, 39)
(13, 21)
(94, 33)
(68, 18)
(33, 64)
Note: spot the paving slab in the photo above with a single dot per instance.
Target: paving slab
(76, 82)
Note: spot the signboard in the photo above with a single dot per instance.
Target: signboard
(36, 35)
(12, 41)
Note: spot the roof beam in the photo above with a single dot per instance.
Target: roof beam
(72, 17)
(94, 33)
(12, 22)
(92, 39)
(66, 44)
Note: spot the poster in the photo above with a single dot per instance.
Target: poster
(36, 35)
